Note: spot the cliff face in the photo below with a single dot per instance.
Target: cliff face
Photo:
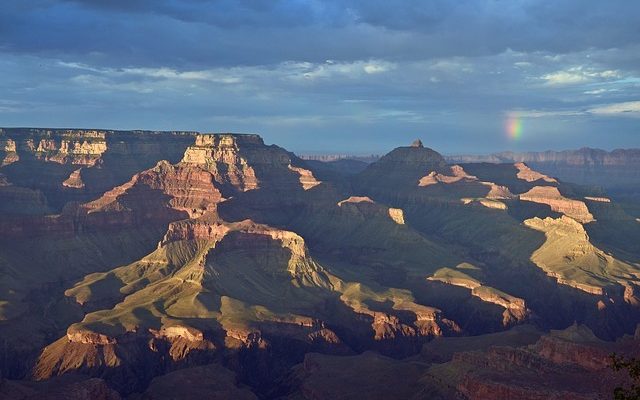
(221, 155)
(583, 156)
(79, 164)
(551, 196)
(80, 147)
(212, 167)
(515, 310)
(617, 170)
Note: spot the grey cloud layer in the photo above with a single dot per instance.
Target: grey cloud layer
(328, 74)
(214, 32)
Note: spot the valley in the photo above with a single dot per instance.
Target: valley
(131, 261)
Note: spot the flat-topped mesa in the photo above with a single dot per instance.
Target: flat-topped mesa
(78, 165)
(62, 146)
(229, 147)
(84, 146)
(227, 139)
(457, 174)
(212, 148)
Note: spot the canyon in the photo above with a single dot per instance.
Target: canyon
(134, 261)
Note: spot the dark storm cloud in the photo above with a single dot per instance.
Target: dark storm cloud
(225, 32)
(305, 71)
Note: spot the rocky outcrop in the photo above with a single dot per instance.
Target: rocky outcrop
(78, 146)
(62, 146)
(70, 165)
(307, 180)
(366, 206)
(598, 199)
(8, 150)
(127, 365)
(356, 199)
(391, 324)
(221, 154)
(74, 180)
(527, 174)
(570, 257)
(205, 228)
(570, 364)
(157, 196)
(216, 165)
(515, 308)
(551, 196)
(583, 156)
(489, 203)
(616, 171)
(184, 188)
(397, 215)
(459, 175)
(84, 336)
(271, 263)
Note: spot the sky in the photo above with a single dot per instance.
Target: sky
(335, 76)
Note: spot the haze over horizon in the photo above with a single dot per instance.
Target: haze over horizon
(326, 76)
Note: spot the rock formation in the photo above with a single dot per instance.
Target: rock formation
(571, 364)
(56, 161)
(529, 175)
(147, 259)
(515, 309)
(616, 171)
(569, 256)
(551, 196)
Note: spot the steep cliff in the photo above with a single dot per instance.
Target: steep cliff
(617, 170)
(80, 164)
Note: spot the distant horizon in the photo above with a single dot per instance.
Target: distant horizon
(336, 151)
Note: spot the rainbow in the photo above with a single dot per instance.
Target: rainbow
(513, 127)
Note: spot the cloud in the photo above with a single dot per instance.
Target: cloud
(624, 109)
(544, 114)
(350, 73)
(578, 75)
(629, 108)
(206, 33)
